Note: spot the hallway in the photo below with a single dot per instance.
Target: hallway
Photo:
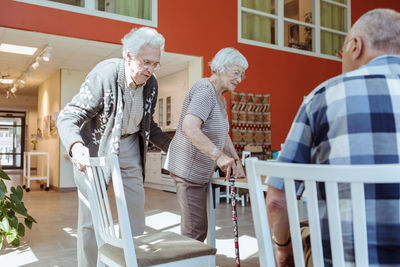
(52, 242)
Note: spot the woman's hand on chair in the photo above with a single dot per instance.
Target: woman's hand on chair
(238, 171)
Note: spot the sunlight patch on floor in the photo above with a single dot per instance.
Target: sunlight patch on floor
(18, 258)
(247, 247)
(69, 231)
(162, 220)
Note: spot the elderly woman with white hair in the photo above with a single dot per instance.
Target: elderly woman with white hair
(202, 143)
(113, 114)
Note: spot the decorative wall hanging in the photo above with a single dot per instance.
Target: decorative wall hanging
(251, 122)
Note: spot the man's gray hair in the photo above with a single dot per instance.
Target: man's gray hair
(381, 29)
(137, 38)
(226, 57)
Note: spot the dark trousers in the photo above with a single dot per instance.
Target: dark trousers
(192, 200)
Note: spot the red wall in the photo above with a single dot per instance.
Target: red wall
(201, 28)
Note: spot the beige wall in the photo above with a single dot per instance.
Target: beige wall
(48, 103)
(70, 83)
(176, 85)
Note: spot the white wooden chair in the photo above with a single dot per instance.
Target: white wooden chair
(331, 175)
(117, 247)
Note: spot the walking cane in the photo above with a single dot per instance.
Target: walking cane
(234, 220)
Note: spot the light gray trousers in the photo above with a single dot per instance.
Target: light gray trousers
(131, 170)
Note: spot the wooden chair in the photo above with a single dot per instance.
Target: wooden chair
(117, 247)
(331, 175)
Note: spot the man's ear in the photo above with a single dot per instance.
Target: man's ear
(127, 56)
(356, 48)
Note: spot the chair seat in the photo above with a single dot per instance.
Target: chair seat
(159, 248)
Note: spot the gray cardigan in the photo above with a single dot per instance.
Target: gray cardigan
(94, 116)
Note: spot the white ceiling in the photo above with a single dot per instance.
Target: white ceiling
(67, 53)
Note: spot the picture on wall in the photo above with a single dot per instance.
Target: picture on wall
(46, 125)
(53, 123)
(39, 128)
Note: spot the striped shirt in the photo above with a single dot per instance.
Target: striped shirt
(133, 107)
(354, 118)
(184, 159)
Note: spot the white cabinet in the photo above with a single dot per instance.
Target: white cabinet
(153, 170)
(154, 178)
(172, 90)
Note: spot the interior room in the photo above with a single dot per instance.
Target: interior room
(291, 46)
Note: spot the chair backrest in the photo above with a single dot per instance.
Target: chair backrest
(103, 218)
(354, 175)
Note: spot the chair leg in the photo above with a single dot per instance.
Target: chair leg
(217, 195)
(227, 194)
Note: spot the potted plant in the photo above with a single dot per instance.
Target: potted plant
(12, 209)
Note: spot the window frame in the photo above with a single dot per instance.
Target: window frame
(89, 9)
(280, 24)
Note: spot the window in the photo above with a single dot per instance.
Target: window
(142, 12)
(312, 27)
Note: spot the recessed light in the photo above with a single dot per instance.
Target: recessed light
(6, 81)
(17, 49)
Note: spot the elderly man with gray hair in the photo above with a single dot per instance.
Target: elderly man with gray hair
(113, 114)
(353, 118)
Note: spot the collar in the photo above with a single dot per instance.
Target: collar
(129, 82)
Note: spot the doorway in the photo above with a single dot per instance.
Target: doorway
(12, 132)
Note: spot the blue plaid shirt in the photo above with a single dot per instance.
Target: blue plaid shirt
(354, 118)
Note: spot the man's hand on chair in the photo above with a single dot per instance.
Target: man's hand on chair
(80, 156)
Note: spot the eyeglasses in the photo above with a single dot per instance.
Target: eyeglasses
(147, 64)
(339, 52)
(237, 73)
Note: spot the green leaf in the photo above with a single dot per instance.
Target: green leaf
(4, 175)
(10, 237)
(10, 213)
(2, 195)
(13, 221)
(4, 225)
(15, 199)
(31, 219)
(28, 223)
(20, 208)
(1, 242)
(3, 190)
(18, 192)
(15, 243)
(21, 229)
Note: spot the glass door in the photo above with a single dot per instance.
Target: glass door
(12, 131)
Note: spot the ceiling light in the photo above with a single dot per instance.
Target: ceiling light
(6, 81)
(35, 64)
(17, 49)
(46, 54)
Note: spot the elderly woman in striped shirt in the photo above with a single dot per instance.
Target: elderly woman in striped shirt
(202, 142)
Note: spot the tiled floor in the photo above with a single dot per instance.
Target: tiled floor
(52, 242)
